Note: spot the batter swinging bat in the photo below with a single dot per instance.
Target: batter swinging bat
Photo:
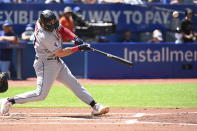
(113, 57)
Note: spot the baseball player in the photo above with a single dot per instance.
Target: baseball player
(49, 66)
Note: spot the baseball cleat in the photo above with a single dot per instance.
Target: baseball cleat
(5, 106)
(99, 109)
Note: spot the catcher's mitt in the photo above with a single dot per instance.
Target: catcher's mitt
(3, 82)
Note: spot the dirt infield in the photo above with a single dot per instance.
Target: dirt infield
(119, 119)
(79, 119)
(32, 81)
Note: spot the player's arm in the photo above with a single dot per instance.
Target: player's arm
(64, 52)
(187, 36)
(66, 33)
(70, 50)
(9, 38)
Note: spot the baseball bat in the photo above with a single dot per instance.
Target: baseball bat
(113, 57)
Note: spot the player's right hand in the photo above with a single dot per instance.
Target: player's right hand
(84, 47)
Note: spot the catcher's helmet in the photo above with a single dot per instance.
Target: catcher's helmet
(49, 19)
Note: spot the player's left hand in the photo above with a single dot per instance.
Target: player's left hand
(78, 41)
(84, 47)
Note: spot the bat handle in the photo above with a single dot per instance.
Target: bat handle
(92, 49)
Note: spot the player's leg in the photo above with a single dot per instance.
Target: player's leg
(46, 74)
(66, 77)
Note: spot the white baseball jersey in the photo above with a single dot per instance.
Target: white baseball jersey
(47, 71)
(46, 43)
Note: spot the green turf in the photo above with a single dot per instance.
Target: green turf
(128, 95)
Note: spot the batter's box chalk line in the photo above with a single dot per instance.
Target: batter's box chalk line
(135, 121)
(119, 118)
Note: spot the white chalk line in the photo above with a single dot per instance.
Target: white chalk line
(135, 121)
(79, 119)
(78, 113)
(118, 115)
(69, 116)
(139, 115)
(61, 123)
(121, 120)
(155, 114)
(131, 122)
(68, 113)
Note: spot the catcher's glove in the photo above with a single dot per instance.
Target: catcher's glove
(3, 82)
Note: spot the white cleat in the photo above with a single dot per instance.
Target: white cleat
(5, 106)
(99, 109)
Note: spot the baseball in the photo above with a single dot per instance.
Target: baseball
(175, 14)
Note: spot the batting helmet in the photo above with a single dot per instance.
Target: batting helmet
(49, 19)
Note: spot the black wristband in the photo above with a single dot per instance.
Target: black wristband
(78, 41)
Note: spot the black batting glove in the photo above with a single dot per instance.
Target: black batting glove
(78, 41)
(84, 47)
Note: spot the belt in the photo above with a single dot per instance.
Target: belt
(50, 58)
